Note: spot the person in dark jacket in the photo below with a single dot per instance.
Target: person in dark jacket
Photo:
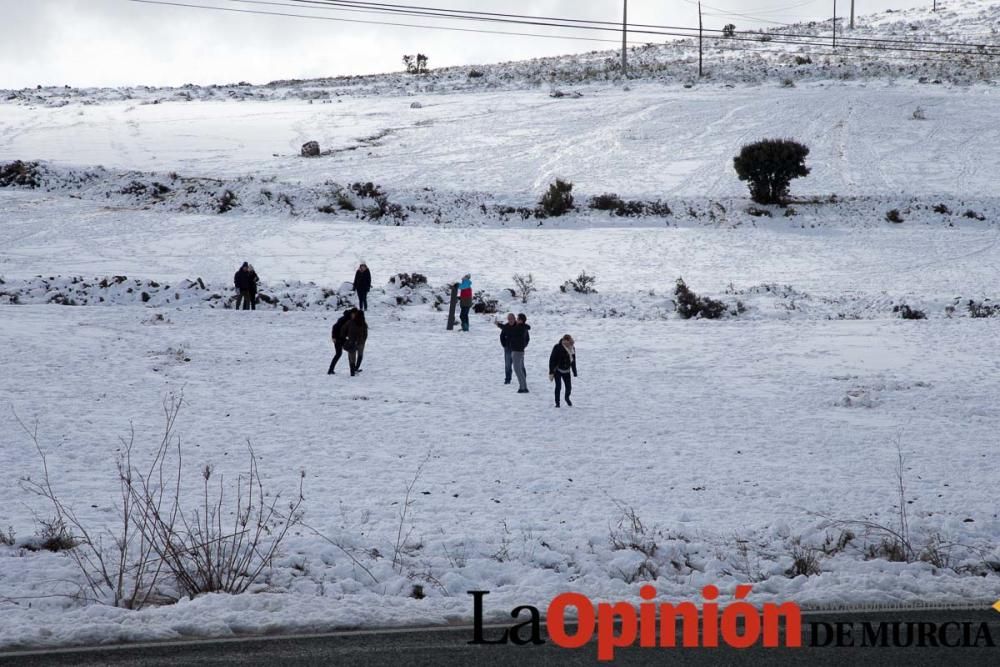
(562, 361)
(338, 334)
(518, 338)
(505, 328)
(245, 282)
(355, 337)
(362, 285)
(254, 279)
(465, 300)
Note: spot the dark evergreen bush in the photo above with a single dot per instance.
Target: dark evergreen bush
(558, 200)
(769, 167)
(690, 305)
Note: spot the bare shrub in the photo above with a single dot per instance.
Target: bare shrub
(405, 529)
(524, 286)
(805, 562)
(894, 216)
(157, 535)
(7, 538)
(630, 533)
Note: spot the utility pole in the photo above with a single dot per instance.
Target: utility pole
(834, 23)
(700, 40)
(935, 5)
(625, 40)
(852, 14)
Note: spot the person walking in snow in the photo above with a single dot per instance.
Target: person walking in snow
(518, 339)
(254, 279)
(562, 361)
(465, 300)
(505, 328)
(246, 286)
(362, 285)
(338, 334)
(355, 337)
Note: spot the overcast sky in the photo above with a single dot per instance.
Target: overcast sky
(119, 42)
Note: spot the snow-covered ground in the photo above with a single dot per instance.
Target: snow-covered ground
(738, 443)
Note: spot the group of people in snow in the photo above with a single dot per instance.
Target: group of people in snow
(515, 334)
(350, 333)
(246, 280)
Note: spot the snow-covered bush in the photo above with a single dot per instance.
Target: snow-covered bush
(769, 167)
(908, 313)
(690, 305)
(622, 208)
(582, 284)
(484, 305)
(894, 216)
(411, 280)
(20, 174)
(558, 200)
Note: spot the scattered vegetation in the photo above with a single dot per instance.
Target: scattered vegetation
(628, 208)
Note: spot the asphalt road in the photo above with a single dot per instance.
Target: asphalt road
(446, 647)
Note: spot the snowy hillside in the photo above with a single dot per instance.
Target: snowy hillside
(855, 352)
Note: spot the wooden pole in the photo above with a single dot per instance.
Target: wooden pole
(700, 41)
(852, 14)
(451, 307)
(834, 23)
(625, 39)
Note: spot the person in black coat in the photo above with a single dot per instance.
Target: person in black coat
(562, 361)
(518, 338)
(339, 333)
(355, 337)
(362, 285)
(505, 328)
(245, 281)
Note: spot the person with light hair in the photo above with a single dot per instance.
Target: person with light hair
(562, 362)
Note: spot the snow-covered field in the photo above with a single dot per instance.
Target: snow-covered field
(740, 444)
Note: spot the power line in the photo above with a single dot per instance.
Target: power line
(553, 22)
(548, 21)
(777, 38)
(387, 23)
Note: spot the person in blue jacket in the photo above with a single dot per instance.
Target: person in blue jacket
(465, 300)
